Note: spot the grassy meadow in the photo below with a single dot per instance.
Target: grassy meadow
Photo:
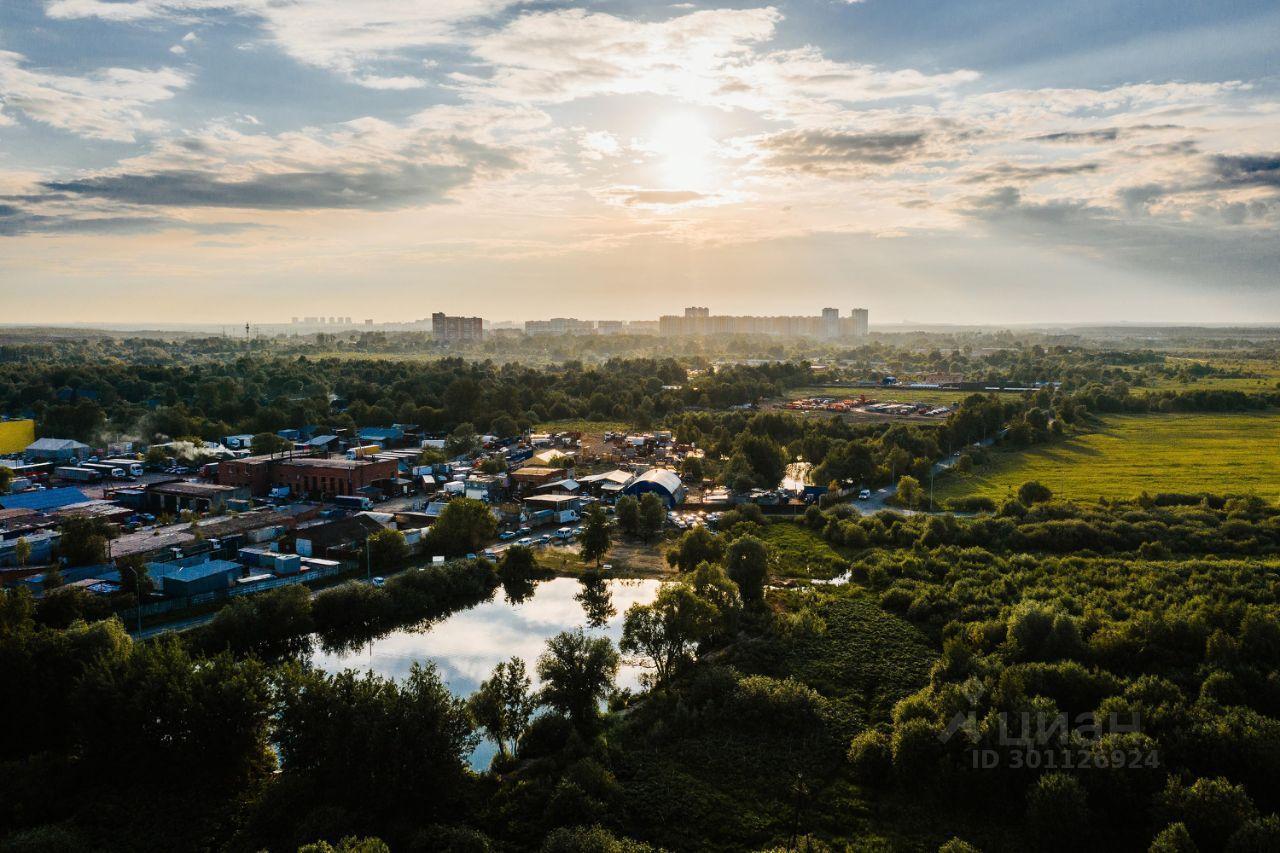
(1127, 454)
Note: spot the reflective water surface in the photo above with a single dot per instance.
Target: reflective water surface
(466, 646)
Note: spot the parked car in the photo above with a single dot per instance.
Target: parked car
(507, 535)
(525, 541)
(864, 495)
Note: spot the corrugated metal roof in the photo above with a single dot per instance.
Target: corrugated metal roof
(56, 444)
(663, 477)
(46, 499)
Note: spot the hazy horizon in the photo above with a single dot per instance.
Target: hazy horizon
(221, 161)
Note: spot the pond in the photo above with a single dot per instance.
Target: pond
(468, 644)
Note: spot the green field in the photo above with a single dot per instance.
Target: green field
(1228, 453)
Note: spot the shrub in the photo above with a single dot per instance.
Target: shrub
(870, 757)
(1057, 812)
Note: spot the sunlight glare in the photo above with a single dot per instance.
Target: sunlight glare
(685, 148)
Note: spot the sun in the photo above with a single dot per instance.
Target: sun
(684, 147)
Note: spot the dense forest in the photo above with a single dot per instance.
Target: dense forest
(1144, 632)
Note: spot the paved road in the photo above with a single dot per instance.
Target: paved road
(880, 497)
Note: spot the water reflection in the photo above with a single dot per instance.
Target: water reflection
(467, 645)
(596, 600)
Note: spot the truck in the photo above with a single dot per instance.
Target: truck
(364, 450)
(108, 471)
(357, 502)
(78, 474)
(567, 515)
(132, 466)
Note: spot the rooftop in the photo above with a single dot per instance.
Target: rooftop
(45, 499)
(552, 500)
(190, 489)
(329, 462)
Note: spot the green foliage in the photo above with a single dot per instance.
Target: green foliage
(272, 624)
(666, 632)
(595, 540)
(464, 527)
(577, 672)
(594, 839)
(870, 757)
(747, 561)
(909, 493)
(1033, 492)
(268, 442)
(84, 540)
(653, 516)
(696, 546)
(373, 744)
(350, 844)
(1174, 838)
(388, 551)
(627, 511)
(503, 704)
(1057, 812)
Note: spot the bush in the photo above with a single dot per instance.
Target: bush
(870, 757)
(1212, 809)
(916, 751)
(594, 839)
(771, 707)
(1057, 811)
(1174, 838)
(1034, 492)
(1260, 835)
(957, 845)
(972, 503)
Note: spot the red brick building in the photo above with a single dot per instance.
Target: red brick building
(306, 476)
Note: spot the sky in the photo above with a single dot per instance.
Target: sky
(993, 161)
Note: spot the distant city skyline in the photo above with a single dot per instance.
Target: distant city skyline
(178, 161)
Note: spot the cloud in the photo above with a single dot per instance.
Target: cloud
(633, 196)
(366, 164)
(20, 221)
(709, 57)
(1101, 135)
(552, 57)
(830, 152)
(367, 189)
(108, 103)
(1013, 172)
(1253, 170)
(350, 37)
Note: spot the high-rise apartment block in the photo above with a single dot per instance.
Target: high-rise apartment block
(449, 330)
(859, 322)
(698, 322)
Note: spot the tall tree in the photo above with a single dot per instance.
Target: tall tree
(577, 672)
(388, 551)
(696, 546)
(747, 562)
(667, 631)
(595, 536)
(463, 527)
(653, 515)
(627, 510)
(503, 704)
